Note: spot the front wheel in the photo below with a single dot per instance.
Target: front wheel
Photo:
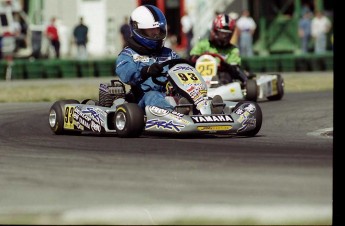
(129, 120)
(258, 118)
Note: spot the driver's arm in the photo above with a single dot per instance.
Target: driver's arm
(127, 70)
(234, 65)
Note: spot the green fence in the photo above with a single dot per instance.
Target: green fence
(45, 69)
(289, 63)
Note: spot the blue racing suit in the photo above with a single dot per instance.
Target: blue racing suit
(128, 67)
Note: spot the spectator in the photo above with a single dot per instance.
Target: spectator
(246, 28)
(305, 9)
(187, 29)
(80, 37)
(234, 39)
(171, 40)
(16, 31)
(53, 36)
(304, 31)
(125, 31)
(320, 26)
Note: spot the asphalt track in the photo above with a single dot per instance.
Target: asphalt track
(284, 175)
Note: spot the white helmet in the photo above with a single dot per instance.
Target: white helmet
(148, 17)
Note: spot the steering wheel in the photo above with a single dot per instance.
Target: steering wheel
(171, 64)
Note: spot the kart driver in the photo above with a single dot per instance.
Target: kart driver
(219, 42)
(139, 61)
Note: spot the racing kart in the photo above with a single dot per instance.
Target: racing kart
(195, 112)
(219, 81)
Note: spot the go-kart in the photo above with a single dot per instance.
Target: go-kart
(212, 67)
(194, 113)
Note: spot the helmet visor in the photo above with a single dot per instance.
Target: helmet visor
(223, 37)
(157, 33)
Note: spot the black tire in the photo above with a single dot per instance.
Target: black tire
(56, 117)
(258, 115)
(280, 89)
(129, 120)
(251, 90)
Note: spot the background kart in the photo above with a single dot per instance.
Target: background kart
(115, 112)
(219, 82)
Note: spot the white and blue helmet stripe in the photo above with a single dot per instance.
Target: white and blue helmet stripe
(146, 17)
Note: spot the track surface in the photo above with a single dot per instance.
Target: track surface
(282, 175)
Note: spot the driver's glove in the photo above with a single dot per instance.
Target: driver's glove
(154, 70)
(236, 72)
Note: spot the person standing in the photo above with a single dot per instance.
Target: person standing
(53, 36)
(80, 37)
(304, 31)
(246, 28)
(320, 26)
(125, 31)
(187, 29)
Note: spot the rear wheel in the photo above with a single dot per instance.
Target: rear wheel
(252, 90)
(129, 120)
(280, 89)
(57, 116)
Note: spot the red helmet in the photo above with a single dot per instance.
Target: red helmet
(223, 28)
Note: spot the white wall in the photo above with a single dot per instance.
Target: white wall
(94, 15)
(104, 37)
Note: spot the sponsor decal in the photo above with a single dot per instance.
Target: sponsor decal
(212, 119)
(162, 124)
(175, 113)
(88, 118)
(248, 122)
(79, 126)
(250, 108)
(247, 109)
(239, 111)
(214, 128)
(160, 112)
(95, 127)
(144, 59)
(93, 114)
(84, 123)
(183, 68)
